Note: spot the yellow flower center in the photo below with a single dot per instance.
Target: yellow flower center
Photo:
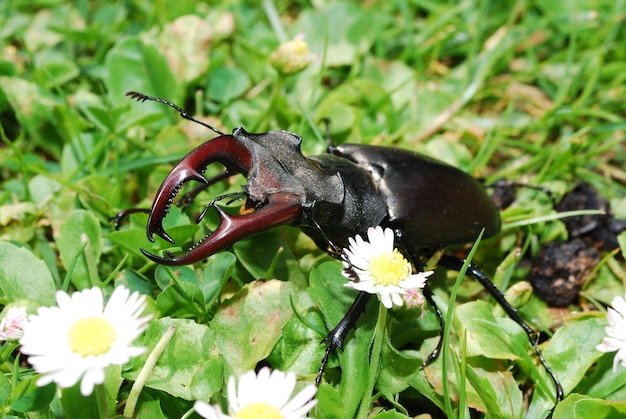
(91, 336)
(389, 268)
(258, 410)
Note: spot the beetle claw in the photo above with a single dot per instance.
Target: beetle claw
(276, 209)
(283, 208)
(223, 149)
(192, 174)
(158, 259)
(159, 231)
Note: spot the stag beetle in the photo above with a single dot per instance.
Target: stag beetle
(333, 196)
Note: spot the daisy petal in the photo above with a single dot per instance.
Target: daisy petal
(80, 338)
(615, 339)
(207, 411)
(266, 393)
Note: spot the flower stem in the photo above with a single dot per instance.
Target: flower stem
(133, 397)
(377, 346)
(101, 401)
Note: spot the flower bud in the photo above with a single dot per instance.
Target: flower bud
(12, 324)
(291, 57)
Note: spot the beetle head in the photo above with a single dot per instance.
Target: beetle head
(281, 184)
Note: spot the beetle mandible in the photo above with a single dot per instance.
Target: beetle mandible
(333, 196)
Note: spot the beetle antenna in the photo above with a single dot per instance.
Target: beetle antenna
(140, 97)
(336, 250)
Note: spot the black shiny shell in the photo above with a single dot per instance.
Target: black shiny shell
(433, 203)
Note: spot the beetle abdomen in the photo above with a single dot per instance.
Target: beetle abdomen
(433, 203)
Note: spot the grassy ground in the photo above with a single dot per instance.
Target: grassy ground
(516, 90)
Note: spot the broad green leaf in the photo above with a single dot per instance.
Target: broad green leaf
(329, 293)
(498, 392)
(96, 112)
(181, 295)
(149, 409)
(342, 47)
(28, 397)
(248, 326)
(226, 84)
(130, 240)
(423, 384)
(268, 255)
(487, 336)
(488, 389)
(397, 368)
(578, 406)
(56, 72)
(299, 348)
(42, 189)
(208, 379)
(165, 275)
(192, 349)
(77, 155)
(182, 234)
(182, 300)
(22, 275)
(137, 65)
(603, 382)
(216, 274)
(390, 414)
(329, 403)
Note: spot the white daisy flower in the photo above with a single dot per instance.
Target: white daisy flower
(381, 269)
(265, 395)
(12, 324)
(80, 338)
(616, 332)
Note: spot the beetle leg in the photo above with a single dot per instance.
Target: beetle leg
(119, 217)
(428, 295)
(184, 202)
(337, 336)
(456, 264)
(234, 196)
(188, 198)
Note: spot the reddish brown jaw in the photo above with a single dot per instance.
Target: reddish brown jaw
(280, 209)
(224, 149)
(276, 208)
